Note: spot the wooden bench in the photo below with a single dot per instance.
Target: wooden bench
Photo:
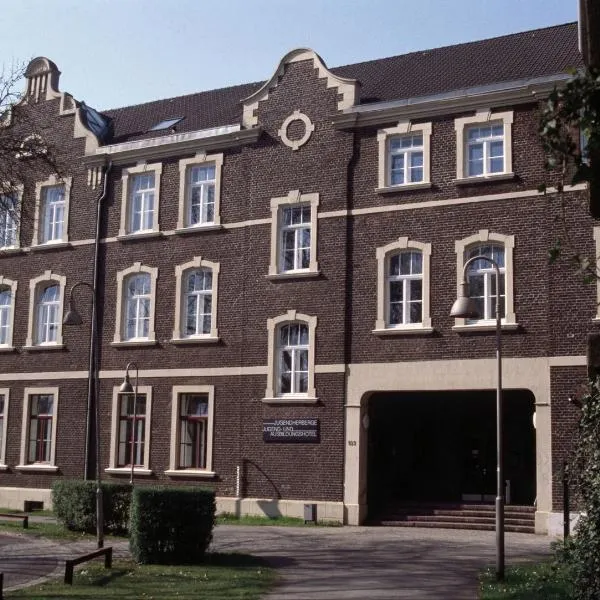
(71, 563)
(24, 518)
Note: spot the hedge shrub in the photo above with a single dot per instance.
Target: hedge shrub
(171, 525)
(74, 504)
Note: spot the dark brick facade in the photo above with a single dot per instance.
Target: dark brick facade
(554, 309)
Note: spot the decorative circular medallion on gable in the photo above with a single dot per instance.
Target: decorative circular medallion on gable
(298, 121)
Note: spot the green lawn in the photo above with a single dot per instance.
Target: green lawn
(223, 577)
(542, 581)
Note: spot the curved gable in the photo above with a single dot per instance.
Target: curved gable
(347, 88)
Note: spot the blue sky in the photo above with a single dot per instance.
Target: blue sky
(118, 52)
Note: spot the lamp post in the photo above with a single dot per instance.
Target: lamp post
(74, 318)
(464, 307)
(127, 388)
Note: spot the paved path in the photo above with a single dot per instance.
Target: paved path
(376, 563)
(330, 563)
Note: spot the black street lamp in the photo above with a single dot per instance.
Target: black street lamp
(93, 406)
(465, 307)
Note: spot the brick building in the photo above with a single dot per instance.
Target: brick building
(279, 260)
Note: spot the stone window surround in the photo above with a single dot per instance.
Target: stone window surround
(12, 285)
(34, 286)
(185, 165)
(509, 321)
(126, 177)
(293, 197)
(483, 115)
(143, 390)
(273, 325)
(174, 469)
(119, 339)
(6, 393)
(180, 270)
(382, 326)
(23, 465)
(18, 190)
(383, 137)
(52, 181)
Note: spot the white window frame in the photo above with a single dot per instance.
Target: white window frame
(6, 393)
(12, 286)
(277, 205)
(382, 323)
(39, 217)
(120, 338)
(144, 470)
(15, 218)
(126, 199)
(34, 290)
(484, 236)
(174, 469)
(185, 167)
(23, 464)
(180, 309)
(483, 117)
(384, 136)
(273, 326)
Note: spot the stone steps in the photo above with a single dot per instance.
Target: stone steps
(520, 519)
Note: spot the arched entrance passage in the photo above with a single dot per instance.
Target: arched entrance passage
(441, 447)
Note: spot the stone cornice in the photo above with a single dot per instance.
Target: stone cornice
(496, 96)
(157, 148)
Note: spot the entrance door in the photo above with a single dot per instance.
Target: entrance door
(440, 447)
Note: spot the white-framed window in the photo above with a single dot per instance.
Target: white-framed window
(138, 295)
(294, 235)
(131, 429)
(484, 145)
(481, 277)
(8, 292)
(141, 202)
(196, 309)
(47, 314)
(291, 357)
(404, 156)
(596, 234)
(51, 223)
(46, 297)
(53, 214)
(403, 283)
(4, 397)
(136, 301)
(9, 218)
(199, 191)
(140, 197)
(38, 433)
(192, 416)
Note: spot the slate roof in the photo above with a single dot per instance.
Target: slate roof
(529, 54)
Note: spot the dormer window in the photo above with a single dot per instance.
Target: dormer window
(166, 124)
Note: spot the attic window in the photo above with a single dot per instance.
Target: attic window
(166, 124)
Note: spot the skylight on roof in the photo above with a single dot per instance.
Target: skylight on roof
(166, 124)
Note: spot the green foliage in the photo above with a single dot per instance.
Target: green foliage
(584, 554)
(569, 110)
(74, 503)
(171, 525)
